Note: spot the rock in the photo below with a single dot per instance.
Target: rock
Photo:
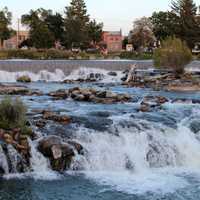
(78, 147)
(144, 108)
(195, 126)
(17, 90)
(59, 153)
(59, 94)
(112, 73)
(111, 95)
(154, 101)
(46, 144)
(96, 96)
(24, 79)
(40, 123)
(101, 94)
(63, 119)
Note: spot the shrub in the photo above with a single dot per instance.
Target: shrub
(135, 55)
(173, 54)
(13, 115)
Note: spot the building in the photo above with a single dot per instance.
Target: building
(112, 40)
(16, 40)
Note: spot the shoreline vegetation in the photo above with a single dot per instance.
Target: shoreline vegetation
(54, 54)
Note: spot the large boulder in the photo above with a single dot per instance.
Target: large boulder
(58, 152)
(24, 79)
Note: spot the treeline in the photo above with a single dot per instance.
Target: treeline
(47, 29)
(182, 21)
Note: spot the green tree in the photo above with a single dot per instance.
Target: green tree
(173, 54)
(95, 31)
(40, 35)
(5, 21)
(189, 30)
(76, 24)
(165, 24)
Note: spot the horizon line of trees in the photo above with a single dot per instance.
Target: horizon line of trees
(46, 28)
(76, 29)
(182, 21)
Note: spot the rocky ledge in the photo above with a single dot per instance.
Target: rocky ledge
(17, 90)
(14, 152)
(91, 95)
(165, 80)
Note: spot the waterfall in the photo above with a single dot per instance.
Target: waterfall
(58, 75)
(147, 155)
(42, 75)
(39, 164)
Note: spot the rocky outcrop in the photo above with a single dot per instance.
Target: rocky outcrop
(14, 152)
(17, 90)
(24, 79)
(91, 95)
(150, 102)
(164, 81)
(59, 153)
(63, 119)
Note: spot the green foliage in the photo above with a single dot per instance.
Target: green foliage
(135, 55)
(35, 54)
(189, 29)
(13, 114)
(173, 54)
(76, 24)
(5, 21)
(43, 28)
(95, 31)
(165, 24)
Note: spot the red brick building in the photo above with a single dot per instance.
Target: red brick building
(14, 41)
(112, 40)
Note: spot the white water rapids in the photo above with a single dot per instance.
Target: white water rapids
(58, 75)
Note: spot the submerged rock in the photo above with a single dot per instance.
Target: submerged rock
(112, 73)
(63, 119)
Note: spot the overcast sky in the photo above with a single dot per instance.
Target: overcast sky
(115, 14)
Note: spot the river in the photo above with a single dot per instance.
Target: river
(130, 154)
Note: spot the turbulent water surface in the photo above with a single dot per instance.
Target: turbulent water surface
(129, 154)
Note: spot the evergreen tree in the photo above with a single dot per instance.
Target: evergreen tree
(76, 24)
(189, 30)
(95, 32)
(5, 21)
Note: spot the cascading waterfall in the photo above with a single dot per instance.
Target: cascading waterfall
(58, 75)
(139, 157)
(42, 75)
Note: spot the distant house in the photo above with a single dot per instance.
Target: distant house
(112, 40)
(16, 40)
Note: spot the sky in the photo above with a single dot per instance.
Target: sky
(115, 14)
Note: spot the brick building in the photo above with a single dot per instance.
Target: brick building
(112, 40)
(14, 41)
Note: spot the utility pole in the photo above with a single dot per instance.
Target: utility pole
(18, 29)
